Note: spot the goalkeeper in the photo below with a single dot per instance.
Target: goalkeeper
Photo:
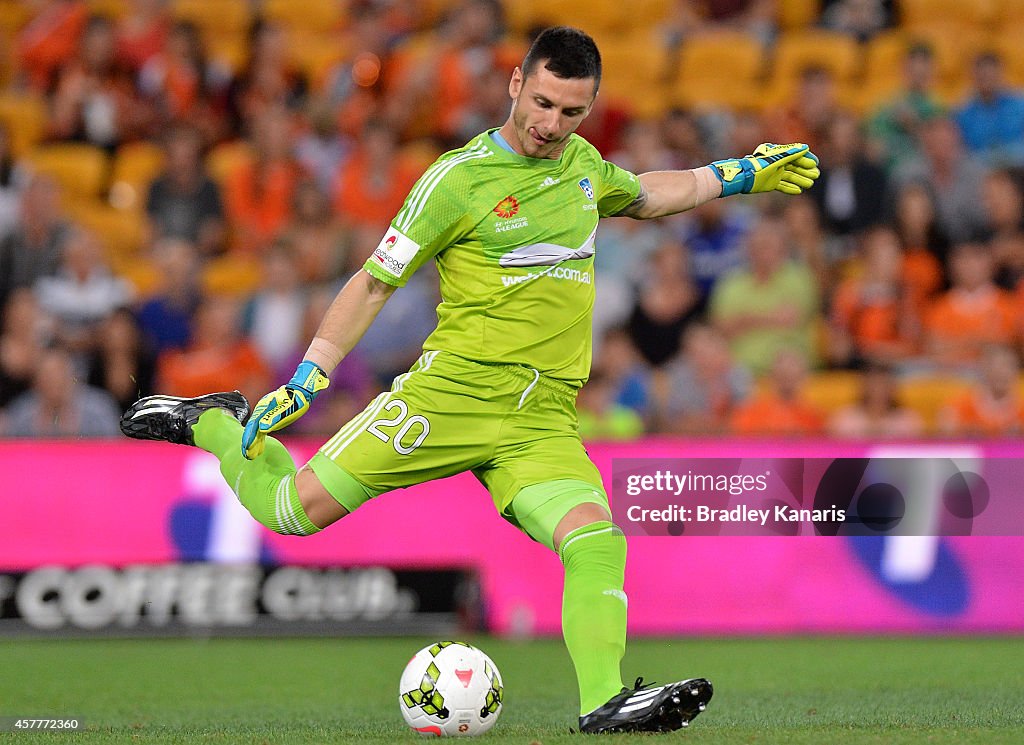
(510, 219)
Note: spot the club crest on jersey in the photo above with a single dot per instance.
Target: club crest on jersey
(507, 207)
(588, 189)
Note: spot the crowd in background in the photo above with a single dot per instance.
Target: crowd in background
(179, 205)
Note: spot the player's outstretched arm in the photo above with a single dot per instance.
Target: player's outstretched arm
(346, 320)
(786, 168)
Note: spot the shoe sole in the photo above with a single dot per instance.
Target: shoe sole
(674, 708)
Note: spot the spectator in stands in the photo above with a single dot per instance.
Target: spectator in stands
(122, 363)
(12, 183)
(142, 31)
(183, 84)
(769, 305)
(703, 385)
(82, 293)
(269, 81)
(33, 249)
(59, 404)
(894, 130)
(621, 362)
(1003, 202)
(372, 185)
(874, 319)
(954, 178)
(809, 111)
(24, 332)
(50, 40)
(217, 358)
(778, 408)
(166, 317)
(683, 136)
(973, 314)
(273, 316)
(924, 243)
(714, 234)
(322, 149)
(184, 202)
(644, 148)
(667, 301)
(601, 417)
(824, 253)
(96, 100)
(861, 19)
(851, 191)
(321, 248)
(994, 406)
(259, 192)
(878, 414)
(992, 120)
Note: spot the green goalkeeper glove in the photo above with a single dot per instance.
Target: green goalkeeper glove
(280, 408)
(786, 168)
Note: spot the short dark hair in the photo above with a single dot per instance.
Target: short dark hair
(567, 52)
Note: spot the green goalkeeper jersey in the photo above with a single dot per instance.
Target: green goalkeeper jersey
(513, 238)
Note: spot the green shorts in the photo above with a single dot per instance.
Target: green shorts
(508, 424)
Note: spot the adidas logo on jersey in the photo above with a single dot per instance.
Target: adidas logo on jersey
(548, 182)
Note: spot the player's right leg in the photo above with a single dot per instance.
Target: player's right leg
(278, 496)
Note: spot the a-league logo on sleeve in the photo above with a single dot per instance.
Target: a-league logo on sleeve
(587, 188)
(394, 252)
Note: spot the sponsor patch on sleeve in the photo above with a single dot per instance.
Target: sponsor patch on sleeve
(394, 252)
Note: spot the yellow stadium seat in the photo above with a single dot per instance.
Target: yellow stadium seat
(955, 47)
(797, 14)
(136, 164)
(798, 50)
(833, 390)
(522, 15)
(634, 70)
(232, 275)
(123, 232)
(224, 158)
(646, 13)
(109, 8)
(596, 17)
(311, 16)
(718, 70)
(915, 13)
(25, 117)
(1012, 53)
(14, 15)
(142, 273)
(81, 170)
(1007, 16)
(228, 49)
(316, 54)
(929, 395)
(214, 17)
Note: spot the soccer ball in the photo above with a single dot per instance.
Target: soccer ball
(450, 689)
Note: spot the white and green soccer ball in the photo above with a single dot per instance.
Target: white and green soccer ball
(450, 689)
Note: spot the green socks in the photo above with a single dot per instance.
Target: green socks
(594, 609)
(265, 486)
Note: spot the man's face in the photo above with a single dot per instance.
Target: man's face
(546, 109)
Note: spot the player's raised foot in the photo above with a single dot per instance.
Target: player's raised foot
(171, 418)
(644, 709)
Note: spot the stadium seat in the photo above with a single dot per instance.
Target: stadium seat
(955, 47)
(136, 164)
(596, 17)
(25, 116)
(1008, 15)
(123, 232)
(798, 14)
(798, 50)
(882, 75)
(81, 170)
(315, 54)
(928, 395)
(718, 69)
(635, 68)
(310, 16)
(832, 390)
(916, 13)
(225, 157)
(13, 15)
(231, 275)
(109, 8)
(1012, 52)
(214, 17)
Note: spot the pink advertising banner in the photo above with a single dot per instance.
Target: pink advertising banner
(123, 503)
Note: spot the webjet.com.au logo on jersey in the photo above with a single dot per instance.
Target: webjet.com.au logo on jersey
(580, 276)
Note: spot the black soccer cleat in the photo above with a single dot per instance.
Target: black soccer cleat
(171, 418)
(662, 709)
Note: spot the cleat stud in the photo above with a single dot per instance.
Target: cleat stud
(685, 724)
(695, 692)
(676, 699)
(702, 707)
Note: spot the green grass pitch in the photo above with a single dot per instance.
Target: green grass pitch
(813, 691)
